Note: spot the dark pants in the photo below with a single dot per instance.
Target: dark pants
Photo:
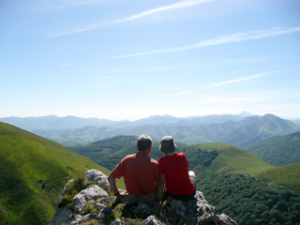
(185, 197)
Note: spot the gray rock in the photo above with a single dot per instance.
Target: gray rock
(223, 219)
(91, 193)
(196, 211)
(100, 216)
(117, 222)
(151, 220)
(63, 216)
(102, 208)
(76, 220)
(96, 175)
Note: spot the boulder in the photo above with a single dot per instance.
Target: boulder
(117, 222)
(91, 193)
(151, 220)
(96, 175)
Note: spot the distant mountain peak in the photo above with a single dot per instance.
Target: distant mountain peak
(244, 114)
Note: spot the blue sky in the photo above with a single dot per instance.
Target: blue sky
(129, 59)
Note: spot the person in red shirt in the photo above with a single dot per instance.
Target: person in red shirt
(173, 173)
(140, 173)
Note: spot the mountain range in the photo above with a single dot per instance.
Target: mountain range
(240, 133)
(73, 122)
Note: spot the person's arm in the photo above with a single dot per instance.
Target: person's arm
(113, 187)
(160, 188)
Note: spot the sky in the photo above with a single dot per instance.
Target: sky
(130, 59)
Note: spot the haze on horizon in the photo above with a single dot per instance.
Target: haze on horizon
(127, 59)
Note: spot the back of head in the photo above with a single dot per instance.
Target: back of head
(144, 142)
(167, 145)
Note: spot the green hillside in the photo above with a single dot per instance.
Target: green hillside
(285, 176)
(33, 171)
(278, 150)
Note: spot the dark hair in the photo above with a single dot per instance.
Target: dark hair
(144, 142)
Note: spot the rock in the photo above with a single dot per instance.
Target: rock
(96, 175)
(62, 217)
(196, 211)
(117, 222)
(99, 207)
(100, 216)
(223, 219)
(91, 193)
(76, 220)
(102, 208)
(151, 220)
(193, 212)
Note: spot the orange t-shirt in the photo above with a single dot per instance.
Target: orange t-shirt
(140, 173)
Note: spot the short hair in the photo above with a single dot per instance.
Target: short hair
(144, 142)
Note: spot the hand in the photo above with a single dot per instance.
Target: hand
(156, 206)
(122, 194)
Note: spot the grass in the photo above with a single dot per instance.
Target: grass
(286, 176)
(33, 171)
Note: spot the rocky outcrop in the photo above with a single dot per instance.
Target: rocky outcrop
(196, 211)
(91, 193)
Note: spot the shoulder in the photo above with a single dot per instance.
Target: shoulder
(128, 157)
(181, 154)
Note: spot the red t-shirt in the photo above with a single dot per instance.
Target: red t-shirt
(175, 168)
(140, 173)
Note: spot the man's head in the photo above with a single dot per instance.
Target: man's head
(167, 145)
(144, 142)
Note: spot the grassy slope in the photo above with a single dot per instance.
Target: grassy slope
(288, 175)
(33, 171)
(231, 158)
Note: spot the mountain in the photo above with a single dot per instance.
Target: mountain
(33, 171)
(278, 150)
(238, 183)
(296, 121)
(73, 122)
(256, 128)
(244, 114)
(240, 133)
(54, 122)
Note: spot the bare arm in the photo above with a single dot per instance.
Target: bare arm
(112, 184)
(160, 188)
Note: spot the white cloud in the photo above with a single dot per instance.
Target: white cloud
(242, 36)
(223, 83)
(183, 4)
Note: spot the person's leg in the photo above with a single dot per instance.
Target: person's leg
(182, 197)
(144, 199)
(192, 176)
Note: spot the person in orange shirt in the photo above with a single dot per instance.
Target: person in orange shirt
(140, 173)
